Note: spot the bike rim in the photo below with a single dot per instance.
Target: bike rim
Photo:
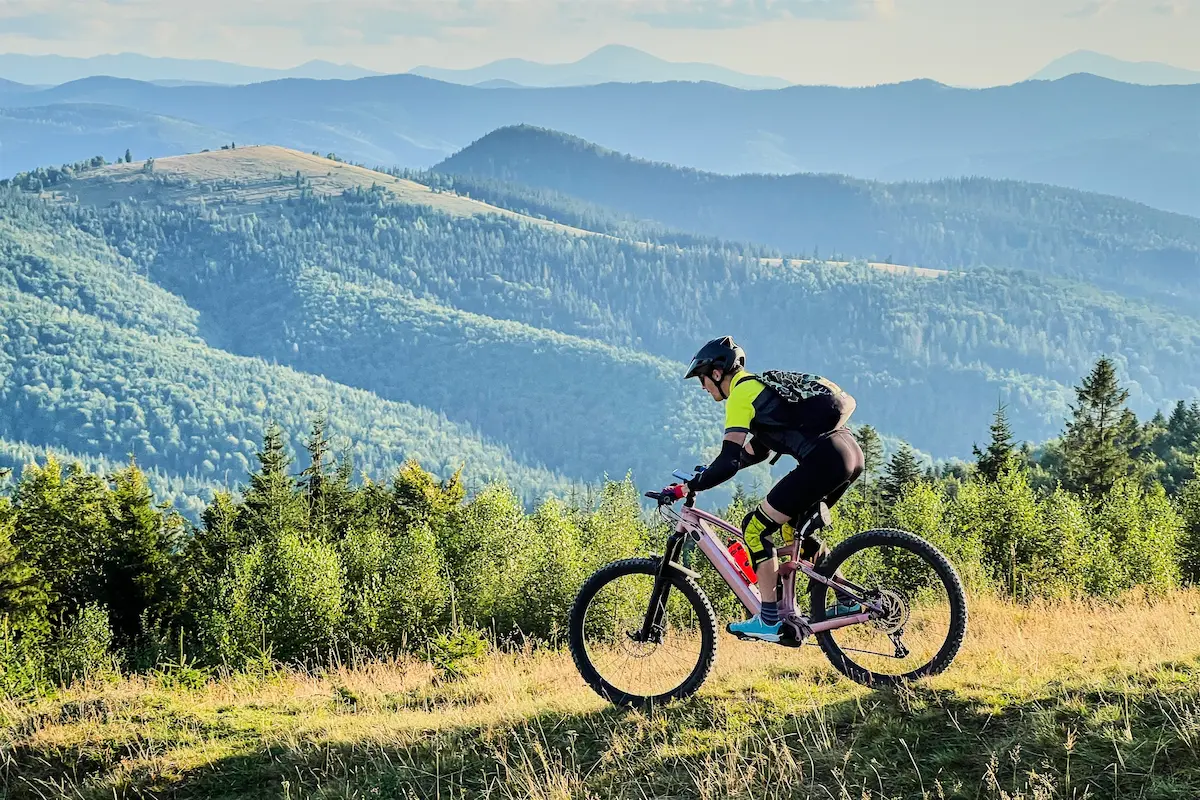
(915, 618)
(641, 669)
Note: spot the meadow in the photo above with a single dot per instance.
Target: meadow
(1070, 699)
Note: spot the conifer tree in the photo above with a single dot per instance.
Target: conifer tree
(1000, 453)
(140, 571)
(1100, 437)
(872, 448)
(902, 471)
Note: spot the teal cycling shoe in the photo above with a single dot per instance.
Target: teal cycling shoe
(755, 628)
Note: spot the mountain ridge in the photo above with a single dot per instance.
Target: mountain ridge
(55, 69)
(835, 213)
(1081, 132)
(1147, 73)
(608, 64)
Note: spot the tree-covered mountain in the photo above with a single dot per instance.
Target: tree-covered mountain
(950, 224)
(168, 308)
(1081, 131)
(98, 362)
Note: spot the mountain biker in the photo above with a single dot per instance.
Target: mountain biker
(813, 431)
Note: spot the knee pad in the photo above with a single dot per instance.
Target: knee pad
(758, 530)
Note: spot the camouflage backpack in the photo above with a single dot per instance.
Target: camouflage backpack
(796, 387)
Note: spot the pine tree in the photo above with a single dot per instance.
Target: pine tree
(273, 506)
(141, 573)
(315, 476)
(1000, 453)
(872, 448)
(1100, 437)
(902, 471)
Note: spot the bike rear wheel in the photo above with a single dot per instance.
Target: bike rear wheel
(924, 608)
(606, 617)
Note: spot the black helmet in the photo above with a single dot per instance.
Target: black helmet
(722, 354)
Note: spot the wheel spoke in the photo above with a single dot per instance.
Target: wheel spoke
(608, 618)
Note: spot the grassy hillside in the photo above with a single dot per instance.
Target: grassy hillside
(954, 224)
(1062, 702)
(1081, 131)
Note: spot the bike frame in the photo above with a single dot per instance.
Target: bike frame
(701, 527)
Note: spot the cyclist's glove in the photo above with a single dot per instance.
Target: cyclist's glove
(675, 490)
(722, 469)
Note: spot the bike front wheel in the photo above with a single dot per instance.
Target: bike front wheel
(920, 615)
(604, 635)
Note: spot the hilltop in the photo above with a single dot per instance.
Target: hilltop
(950, 224)
(251, 176)
(261, 174)
(1149, 73)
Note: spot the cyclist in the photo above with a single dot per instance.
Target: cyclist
(812, 430)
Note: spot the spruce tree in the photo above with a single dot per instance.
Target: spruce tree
(1101, 435)
(1000, 453)
(141, 574)
(902, 471)
(273, 506)
(872, 448)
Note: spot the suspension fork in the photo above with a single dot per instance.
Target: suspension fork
(652, 624)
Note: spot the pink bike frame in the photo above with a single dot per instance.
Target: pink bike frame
(699, 525)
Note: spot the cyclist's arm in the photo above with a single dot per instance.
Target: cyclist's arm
(724, 466)
(739, 412)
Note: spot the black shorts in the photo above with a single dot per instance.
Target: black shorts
(824, 474)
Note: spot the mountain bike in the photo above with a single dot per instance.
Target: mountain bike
(885, 607)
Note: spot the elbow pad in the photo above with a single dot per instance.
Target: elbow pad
(722, 469)
(760, 455)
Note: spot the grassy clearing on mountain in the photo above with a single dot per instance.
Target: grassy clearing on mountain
(265, 173)
(1045, 701)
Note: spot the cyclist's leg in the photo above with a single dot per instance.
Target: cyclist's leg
(825, 475)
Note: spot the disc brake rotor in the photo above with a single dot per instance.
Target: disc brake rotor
(894, 614)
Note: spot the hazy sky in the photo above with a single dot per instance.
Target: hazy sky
(965, 42)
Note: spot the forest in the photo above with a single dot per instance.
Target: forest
(305, 560)
(953, 224)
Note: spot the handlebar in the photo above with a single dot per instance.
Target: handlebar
(665, 499)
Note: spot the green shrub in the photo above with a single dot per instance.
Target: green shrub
(1189, 543)
(286, 594)
(83, 648)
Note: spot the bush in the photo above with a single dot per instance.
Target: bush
(287, 596)
(83, 648)
(1189, 543)
(1142, 531)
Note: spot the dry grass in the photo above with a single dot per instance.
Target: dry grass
(1068, 701)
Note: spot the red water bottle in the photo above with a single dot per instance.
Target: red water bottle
(740, 557)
